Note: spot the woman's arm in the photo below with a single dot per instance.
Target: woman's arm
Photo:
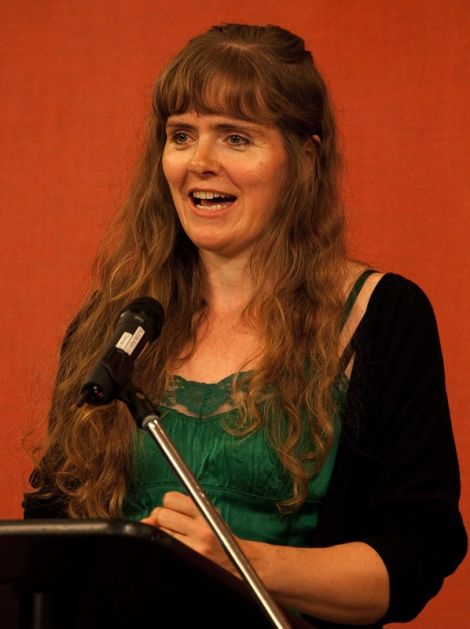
(395, 486)
(346, 583)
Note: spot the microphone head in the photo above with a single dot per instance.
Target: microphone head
(139, 323)
(152, 313)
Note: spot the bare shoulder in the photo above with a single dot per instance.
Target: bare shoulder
(353, 272)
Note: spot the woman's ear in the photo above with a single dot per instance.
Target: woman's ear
(310, 149)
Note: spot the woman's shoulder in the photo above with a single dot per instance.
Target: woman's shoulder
(394, 284)
(399, 318)
(378, 298)
(387, 287)
(398, 298)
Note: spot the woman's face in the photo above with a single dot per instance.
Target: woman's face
(225, 176)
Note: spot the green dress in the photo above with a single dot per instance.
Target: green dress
(241, 475)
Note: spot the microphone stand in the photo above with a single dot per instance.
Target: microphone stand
(148, 418)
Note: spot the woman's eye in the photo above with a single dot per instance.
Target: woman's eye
(180, 138)
(237, 140)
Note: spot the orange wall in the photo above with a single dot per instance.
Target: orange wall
(75, 84)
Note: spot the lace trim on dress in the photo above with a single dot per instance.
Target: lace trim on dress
(200, 399)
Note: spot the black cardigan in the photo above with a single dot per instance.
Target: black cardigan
(395, 485)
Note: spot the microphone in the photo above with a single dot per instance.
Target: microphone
(139, 324)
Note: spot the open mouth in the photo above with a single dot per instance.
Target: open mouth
(211, 200)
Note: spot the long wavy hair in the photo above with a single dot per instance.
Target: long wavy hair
(298, 270)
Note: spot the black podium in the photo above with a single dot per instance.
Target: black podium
(100, 574)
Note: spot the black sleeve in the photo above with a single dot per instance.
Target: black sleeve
(396, 481)
(40, 508)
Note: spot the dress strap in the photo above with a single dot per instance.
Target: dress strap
(355, 290)
(354, 311)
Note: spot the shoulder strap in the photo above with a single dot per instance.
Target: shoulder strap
(355, 290)
(354, 310)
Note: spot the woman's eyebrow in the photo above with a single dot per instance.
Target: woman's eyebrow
(179, 125)
(218, 126)
(238, 126)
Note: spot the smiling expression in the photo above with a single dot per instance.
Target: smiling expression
(225, 177)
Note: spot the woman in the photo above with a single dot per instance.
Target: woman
(305, 391)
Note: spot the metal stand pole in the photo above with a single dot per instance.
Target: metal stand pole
(147, 417)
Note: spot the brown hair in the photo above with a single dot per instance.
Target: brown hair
(263, 74)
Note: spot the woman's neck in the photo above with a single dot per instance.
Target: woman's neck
(225, 342)
(228, 280)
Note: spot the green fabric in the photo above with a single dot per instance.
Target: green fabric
(241, 475)
(356, 289)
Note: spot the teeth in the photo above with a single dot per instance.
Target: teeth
(200, 194)
(217, 206)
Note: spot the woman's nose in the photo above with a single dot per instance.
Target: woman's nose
(204, 160)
